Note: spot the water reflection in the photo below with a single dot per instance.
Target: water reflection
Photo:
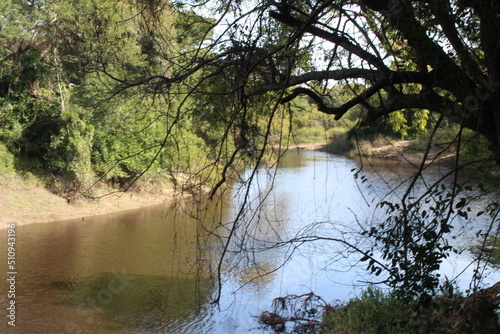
(488, 250)
(134, 272)
(140, 303)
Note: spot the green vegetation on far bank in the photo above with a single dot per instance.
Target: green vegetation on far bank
(397, 137)
(64, 120)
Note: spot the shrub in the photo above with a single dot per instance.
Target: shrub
(373, 312)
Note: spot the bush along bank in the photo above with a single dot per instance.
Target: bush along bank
(379, 312)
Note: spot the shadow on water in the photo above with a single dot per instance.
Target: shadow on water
(141, 303)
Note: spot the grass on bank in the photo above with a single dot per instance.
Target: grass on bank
(381, 312)
(377, 312)
(373, 312)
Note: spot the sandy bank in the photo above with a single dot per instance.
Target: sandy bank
(23, 202)
(399, 150)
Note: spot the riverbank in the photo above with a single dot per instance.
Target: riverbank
(401, 150)
(25, 201)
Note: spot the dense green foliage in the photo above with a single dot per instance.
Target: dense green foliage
(376, 311)
(81, 98)
(61, 111)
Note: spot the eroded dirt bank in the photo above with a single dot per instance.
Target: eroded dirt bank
(24, 202)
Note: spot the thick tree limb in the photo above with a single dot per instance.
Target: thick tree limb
(335, 37)
(339, 111)
(447, 23)
(447, 74)
(391, 77)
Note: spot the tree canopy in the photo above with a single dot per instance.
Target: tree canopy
(62, 111)
(440, 56)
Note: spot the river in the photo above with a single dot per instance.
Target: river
(155, 270)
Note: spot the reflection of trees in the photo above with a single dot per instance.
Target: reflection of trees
(488, 250)
(142, 302)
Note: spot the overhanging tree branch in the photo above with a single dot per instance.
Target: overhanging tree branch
(333, 36)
